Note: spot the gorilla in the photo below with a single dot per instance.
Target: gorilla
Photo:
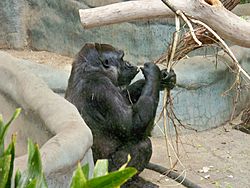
(121, 115)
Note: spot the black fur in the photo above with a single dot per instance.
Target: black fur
(120, 119)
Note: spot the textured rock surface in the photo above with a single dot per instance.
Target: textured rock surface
(201, 83)
(199, 102)
(47, 119)
(55, 26)
(13, 30)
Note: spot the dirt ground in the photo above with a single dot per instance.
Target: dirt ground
(216, 158)
(43, 57)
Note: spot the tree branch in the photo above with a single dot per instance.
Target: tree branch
(173, 175)
(187, 44)
(224, 22)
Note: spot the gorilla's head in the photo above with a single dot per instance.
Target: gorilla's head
(107, 60)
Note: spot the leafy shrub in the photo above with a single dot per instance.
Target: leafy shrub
(33, 177)
(244, 1)
(102, 178)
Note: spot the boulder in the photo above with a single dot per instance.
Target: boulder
(55, 26)
(47, 119)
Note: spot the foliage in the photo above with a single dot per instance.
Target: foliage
(33, 177)
(7, 156)
(244, 1)
(102, 178)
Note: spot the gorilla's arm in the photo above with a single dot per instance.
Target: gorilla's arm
(133, 91)
(120, 117)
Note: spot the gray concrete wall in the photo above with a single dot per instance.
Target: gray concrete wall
(55, 26)
(199, 100)
(47, 119)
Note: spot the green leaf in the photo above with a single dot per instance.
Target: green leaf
(101, 168)
(11, 151)
(85, 170)
(31, 151)
(1, 123)
(4, 129)
(17, 177)
(113, 179)
(79, 180)
(125, 165)
(34, 170)
(4, 170)
(1, 138)
(32, 184)
(14, 116)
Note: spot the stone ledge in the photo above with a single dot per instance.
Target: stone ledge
(49, 116)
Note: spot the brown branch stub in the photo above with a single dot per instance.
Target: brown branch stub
(214, 3)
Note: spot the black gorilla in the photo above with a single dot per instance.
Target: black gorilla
(121, 116)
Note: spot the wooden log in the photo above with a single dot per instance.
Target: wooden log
(123, 12)
(225, 23)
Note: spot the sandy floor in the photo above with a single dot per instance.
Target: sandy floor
(43, 57)
(217, 158)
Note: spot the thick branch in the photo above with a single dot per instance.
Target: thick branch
(173, 175)
(225, 23)
(187, 44)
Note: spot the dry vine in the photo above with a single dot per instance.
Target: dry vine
(201, 36)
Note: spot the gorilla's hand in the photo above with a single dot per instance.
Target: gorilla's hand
(151, 71)
(168, 79)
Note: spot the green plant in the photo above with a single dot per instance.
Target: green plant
(7, 156)
(33, 177)
(244, 1)
(102, 178)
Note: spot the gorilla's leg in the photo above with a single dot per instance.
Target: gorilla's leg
(140, 152)
(103, 146)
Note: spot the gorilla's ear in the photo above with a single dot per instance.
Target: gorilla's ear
(87, 53)
(98, 47)
(104, 48)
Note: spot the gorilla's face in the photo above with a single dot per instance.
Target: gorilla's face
(121, 70)
(106, 59)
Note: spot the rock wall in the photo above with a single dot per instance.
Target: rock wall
(55, 26)
(63, 136)
(200, 100)
(13, 29)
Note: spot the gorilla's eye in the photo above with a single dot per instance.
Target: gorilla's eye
(105, 63)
